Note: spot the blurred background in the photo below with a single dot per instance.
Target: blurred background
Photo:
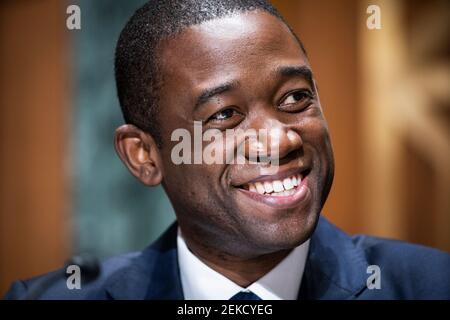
(64, 191)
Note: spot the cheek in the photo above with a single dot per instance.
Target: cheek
(190, 183)
(317, 145)
(197, 196)
(185, 189)
(315, 134)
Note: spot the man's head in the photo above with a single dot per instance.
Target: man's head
(230, 65)
(138, 57)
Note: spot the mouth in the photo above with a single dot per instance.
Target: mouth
(279, 192)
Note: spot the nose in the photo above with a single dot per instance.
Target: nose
(273, 142)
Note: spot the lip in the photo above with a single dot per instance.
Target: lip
(301, 195)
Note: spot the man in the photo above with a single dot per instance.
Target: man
(243, 231)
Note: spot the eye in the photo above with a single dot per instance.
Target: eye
(223, 115)
(302, 97)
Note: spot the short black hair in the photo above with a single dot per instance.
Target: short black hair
(136, 60)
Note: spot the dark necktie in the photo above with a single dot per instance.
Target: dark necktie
(245, 295)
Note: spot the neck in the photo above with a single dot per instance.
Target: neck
(242, 271)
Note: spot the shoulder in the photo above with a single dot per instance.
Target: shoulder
(138, 275)
(375, 268)
(59, 289)
(413, 271)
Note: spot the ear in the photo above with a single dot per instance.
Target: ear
(139, 152)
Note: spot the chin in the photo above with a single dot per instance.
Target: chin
(287, 233)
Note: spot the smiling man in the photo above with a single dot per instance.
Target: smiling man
(242, 231)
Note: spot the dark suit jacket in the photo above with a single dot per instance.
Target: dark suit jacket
(336, 268)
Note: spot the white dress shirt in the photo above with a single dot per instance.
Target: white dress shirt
(200, 282)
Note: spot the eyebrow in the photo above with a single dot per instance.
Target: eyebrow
(207, 94)
(297, 71)
(284, 71)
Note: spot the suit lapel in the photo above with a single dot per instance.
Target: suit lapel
(154, 274)
(335, 268)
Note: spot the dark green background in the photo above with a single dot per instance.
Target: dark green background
(113, 212)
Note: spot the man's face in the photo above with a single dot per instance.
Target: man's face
(251, 74)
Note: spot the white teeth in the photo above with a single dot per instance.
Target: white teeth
(260, 188)
(287, 183)
(277, 186)
(268, 186)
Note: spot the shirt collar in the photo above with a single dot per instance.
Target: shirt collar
(200, 282)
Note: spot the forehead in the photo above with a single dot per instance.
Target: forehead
(238, 47)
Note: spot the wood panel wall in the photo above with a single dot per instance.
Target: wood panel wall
(34, 130)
